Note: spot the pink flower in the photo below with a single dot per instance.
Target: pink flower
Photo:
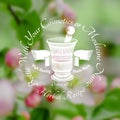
(69, 14)
(12, 58)
(6, 97)
(79, 94)
(39, 90)
(115, 83)
(26, 115)
(52, 7)
(99, 84)
(65, 10)
(33, 100)
(78, 118)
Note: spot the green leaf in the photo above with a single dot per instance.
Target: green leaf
(82, 110)
(109, 108)
(7, 33)
(15, 117)
(25, 4)
(29, 27)
(65, 108)
(21, 118)
(40, 114)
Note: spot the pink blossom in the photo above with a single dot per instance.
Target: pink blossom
(52, 7)
(79, 94)
(78, 118)
(65, 10)
(26, 115)
(12, 58)
(68, 13)
(6, 97)
(99, 84)
(115, 83)
(33, 100)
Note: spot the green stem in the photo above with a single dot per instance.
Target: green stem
(13, 14)
(41, 47)
(44, 7)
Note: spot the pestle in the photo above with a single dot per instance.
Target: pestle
(70, 32)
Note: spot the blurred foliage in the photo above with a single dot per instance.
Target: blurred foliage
(109, 108)
(40, 114)
(26, 5)
(17, 17)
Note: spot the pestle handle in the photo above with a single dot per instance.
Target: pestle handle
(70, 32)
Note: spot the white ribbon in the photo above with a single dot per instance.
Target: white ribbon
(42, 55)
(45, 55)
(82, 55)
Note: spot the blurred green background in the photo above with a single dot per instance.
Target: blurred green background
(19, 16)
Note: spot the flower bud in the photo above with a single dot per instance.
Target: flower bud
(115, 83)
(12, 58)
(26, 115)
(33, 100)
(78, 118)
(68, 14)
(39, 90)
(52, 7)
(50, 98)
(7, 97)
(99, 84)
